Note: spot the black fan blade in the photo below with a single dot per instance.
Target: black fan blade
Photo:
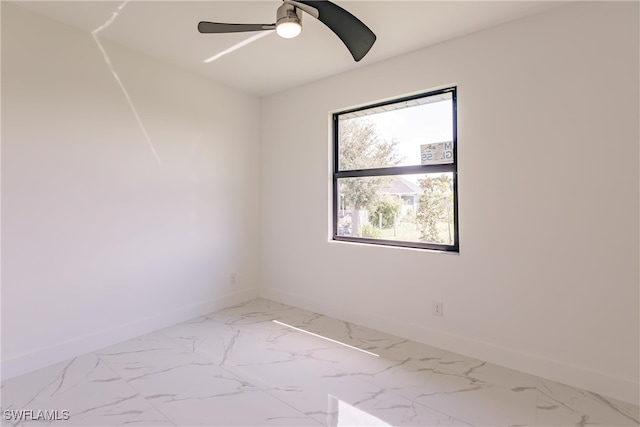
(354, 34)
(219, 27)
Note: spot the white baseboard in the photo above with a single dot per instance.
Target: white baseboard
(604, 384)
(51, 355)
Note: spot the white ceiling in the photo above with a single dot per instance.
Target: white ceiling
(167, 30)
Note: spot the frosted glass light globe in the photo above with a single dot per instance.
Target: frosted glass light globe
(288, 30)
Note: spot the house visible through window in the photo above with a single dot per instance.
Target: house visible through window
(395, 173)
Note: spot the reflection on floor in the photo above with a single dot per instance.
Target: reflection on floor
(267, 364)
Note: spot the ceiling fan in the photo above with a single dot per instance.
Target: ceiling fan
(356, 36)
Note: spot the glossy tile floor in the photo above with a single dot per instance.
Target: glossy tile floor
(252, 365)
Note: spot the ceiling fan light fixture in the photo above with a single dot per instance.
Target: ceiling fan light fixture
(355, 35)
(289, 22)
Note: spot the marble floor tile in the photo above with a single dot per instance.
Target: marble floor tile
(154, 364)
(86, 388)
(307, 386)
(228, 403)
(478, 402)
(416, 350)
(263, 363)
(399, 374)
(563, 405)
(418, 416)
(481, 372)
(207, 335)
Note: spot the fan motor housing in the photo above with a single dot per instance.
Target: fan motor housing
(288, 13)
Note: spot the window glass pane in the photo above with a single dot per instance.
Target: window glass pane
(402, 134)
(410, 208)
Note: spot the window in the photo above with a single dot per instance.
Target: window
(395, 173)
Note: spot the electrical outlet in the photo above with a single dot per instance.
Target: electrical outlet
(233, 278)
(438, 308)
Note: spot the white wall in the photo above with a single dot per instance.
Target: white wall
(100, 241)
(547, 276)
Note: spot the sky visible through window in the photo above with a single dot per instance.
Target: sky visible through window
(413, 127)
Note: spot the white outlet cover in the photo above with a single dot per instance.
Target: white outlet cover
(438, 308)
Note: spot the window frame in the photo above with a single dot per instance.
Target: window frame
(399, 171)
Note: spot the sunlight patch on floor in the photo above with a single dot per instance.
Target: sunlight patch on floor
(325, 338)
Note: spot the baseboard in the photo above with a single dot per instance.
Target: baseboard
(51, 355)
(597, 382)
